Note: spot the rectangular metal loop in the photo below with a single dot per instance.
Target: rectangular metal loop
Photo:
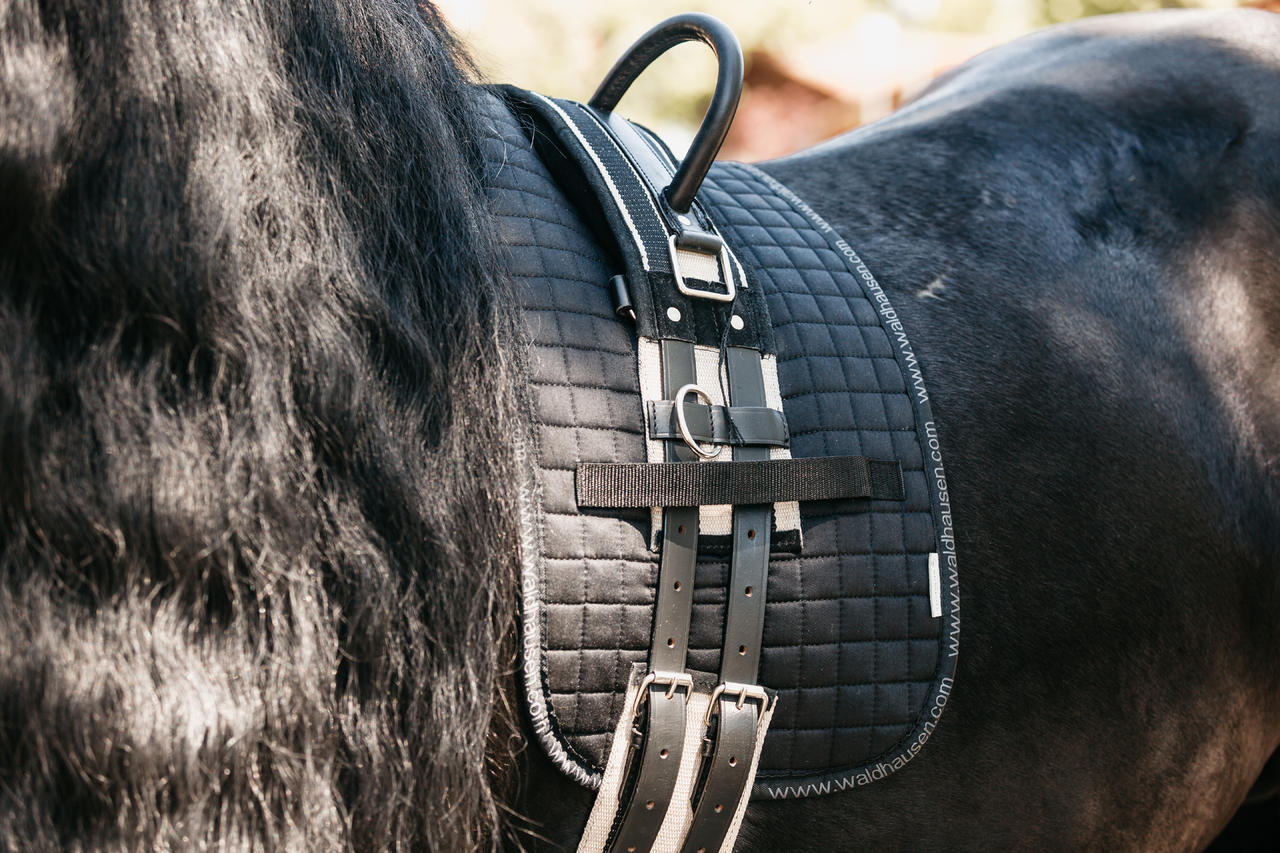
(722, 261)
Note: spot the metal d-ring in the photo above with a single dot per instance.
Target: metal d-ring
(683, 424)
(691, 26)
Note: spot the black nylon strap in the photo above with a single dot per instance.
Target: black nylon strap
(720, 424)
(652, 164)
(631, 485)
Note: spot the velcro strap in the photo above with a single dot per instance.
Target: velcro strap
(741, 425)
(670, 484)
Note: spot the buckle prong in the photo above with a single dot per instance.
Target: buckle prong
(673, 680)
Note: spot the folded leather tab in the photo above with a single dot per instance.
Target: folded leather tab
(601, 485)
(736, 425)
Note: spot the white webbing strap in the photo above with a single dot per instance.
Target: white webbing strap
(715, 521)
(680, 814)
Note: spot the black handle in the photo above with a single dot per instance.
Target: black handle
(691, 26)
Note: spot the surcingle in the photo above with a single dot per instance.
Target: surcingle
(739, 567)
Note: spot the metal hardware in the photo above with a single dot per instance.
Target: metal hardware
(683, 424)
(673, 680)
(744, 691)
(726, 273)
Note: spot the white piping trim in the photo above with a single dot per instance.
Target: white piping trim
(613, 190)
(536, 701)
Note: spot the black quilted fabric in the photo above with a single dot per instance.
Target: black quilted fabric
(849, 643)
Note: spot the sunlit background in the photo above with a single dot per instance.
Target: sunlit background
(814, 67)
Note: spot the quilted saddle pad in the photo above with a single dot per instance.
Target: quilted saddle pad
(861, 626)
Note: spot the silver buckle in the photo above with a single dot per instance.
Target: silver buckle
(744, 691)
(726, 274)
(673, 680)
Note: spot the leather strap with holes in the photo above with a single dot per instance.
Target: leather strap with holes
(657, 747)
(726, 773)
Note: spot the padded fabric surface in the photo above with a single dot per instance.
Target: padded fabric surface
(861, 666)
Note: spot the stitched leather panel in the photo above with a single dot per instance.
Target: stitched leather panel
(849, 644)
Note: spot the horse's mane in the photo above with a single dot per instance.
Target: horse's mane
(255, 510)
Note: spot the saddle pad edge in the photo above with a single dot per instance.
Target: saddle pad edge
(910, 744)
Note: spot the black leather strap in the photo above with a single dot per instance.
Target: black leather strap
(653, 764)
(715, 124)
(650, 780)
(749, 560)
(674, 597)
(720, 424)
(725, 776)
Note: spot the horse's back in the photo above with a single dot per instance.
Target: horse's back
(1079, 233)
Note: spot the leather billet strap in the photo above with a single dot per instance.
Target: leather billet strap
(739, 704)
(725, 776)
(647, 790)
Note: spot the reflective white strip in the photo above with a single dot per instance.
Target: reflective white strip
(613, 190)
(935, 586)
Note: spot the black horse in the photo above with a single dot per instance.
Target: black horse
(258, 377)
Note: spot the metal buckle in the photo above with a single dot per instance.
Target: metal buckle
(726, 272)
(673, 680)
(683, 425)
(744, 691)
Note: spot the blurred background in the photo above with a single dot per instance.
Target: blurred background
(815, 68)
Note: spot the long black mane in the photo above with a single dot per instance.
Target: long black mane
(254, 519)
